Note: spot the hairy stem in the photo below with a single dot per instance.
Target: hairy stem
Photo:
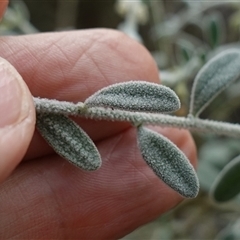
(136, 118)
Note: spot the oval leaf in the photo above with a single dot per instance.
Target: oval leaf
(227, 184)
(213, 78)
(136, 96)
(168, 162)
(69, 140)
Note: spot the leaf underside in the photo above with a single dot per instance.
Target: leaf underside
(168, 162)
(213, 78)
(227, 184)
(69, 140)
(136, 96)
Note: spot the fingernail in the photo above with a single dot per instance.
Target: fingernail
(13, 108)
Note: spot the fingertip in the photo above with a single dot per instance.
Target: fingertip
(17, 121)
(81, 62)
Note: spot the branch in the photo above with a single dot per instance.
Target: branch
(136, 118)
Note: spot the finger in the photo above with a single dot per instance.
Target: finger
(106, 204)
(17, 120)
(73, 65)
(3, 6)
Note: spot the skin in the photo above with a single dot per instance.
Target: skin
(42, 195)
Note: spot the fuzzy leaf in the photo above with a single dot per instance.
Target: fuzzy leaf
(213, 78)
(69, 140)
(168, 162)
(136, 96)
(227, 184)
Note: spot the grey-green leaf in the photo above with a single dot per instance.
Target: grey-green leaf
(168, 162)
(213, 78)
(136, 96)
(227, 184)
(69, 140)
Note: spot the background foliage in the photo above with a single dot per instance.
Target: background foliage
(181, 35)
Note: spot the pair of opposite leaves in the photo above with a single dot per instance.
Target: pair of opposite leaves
(166, 160)
(71, 142)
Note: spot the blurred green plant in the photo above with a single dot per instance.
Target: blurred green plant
(17, 20)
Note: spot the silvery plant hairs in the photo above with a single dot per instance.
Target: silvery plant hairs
(142, 103)
(138, 102)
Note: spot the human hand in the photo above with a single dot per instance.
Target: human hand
(45, 196)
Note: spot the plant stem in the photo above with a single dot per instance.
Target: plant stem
(136, 118)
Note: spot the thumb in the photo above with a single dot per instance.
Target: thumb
(17, 118)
